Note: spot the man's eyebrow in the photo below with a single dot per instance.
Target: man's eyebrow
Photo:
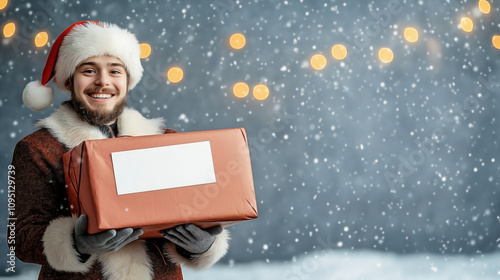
(115, 64)
(111, 64)
(89, 63)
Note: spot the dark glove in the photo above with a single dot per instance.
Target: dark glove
(106, 241)
(192, 238)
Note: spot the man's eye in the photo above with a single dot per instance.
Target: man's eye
(89, 71)
(115, 72)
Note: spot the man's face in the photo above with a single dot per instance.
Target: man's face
(99, 89)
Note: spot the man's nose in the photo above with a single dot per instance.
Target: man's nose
(102, 79)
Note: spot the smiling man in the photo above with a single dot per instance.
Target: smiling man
(98, 63)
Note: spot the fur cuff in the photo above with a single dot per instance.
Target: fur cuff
(59, 249)
(214, 254)
(130, 262)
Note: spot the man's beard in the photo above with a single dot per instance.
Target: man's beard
(96, 117)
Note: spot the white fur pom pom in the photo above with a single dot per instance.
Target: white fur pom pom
(37, 97)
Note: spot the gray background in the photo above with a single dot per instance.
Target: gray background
(399, 157)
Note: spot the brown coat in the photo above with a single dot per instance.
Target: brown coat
(44, 223)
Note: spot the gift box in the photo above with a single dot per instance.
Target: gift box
(160, 181)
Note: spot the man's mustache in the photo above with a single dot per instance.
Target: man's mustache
(99, 89)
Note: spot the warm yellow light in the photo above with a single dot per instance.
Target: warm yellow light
(318, 61)
(466, 24)
(3, 4)
(260, 92)
(241, 89)
(496, 41)
(41, 39)
(339, 51)
(175, 74)
(484, 6)
(9, 29)
(237, 41)
(145, 50)
(385, 55)
(411, 34)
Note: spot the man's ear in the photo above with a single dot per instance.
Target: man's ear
(67, 84)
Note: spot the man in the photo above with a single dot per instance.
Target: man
(98, 63)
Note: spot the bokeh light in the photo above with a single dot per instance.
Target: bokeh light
(484, 6)
(411, 34)
(237, 41)
(241, 89)
(260, 92)
(318, 61)
(3, 4)
(175, 74)
(41, 39)
(385, 55)
(145, 50)
(496, 41)
(339, 51)
(466, 24)
(9, 29)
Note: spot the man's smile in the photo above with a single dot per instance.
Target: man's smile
(100, 95)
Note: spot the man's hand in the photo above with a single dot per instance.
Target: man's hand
(106, 241)
(192, 238)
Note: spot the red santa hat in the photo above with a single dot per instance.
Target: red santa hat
(78, 42)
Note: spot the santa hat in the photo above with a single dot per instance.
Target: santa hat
(78, 42)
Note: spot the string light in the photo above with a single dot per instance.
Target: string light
(145, 50)
(9, 29)
(260, 92)
(339, 51)
(175, 74)
(3, 4)
(41, 39)
(496, 41)
(241, 90)
(237, 41)
(484, 6)
(385, 55)
(467, 24)
(411, 34)
(318, 61)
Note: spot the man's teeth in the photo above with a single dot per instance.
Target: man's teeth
(100, 96)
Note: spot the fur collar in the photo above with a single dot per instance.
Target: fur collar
(67, 127)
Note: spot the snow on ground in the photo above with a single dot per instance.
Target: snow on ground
(348, 265)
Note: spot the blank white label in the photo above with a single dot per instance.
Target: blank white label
(162, 168)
